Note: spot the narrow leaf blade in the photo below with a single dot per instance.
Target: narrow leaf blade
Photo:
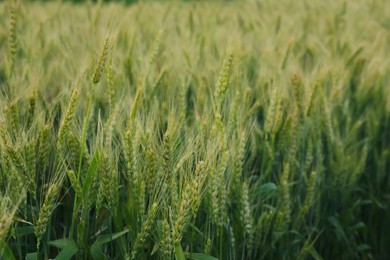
(197, 256)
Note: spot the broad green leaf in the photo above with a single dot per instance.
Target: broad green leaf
(268, 187)
(179, 252)
(68, 251)
(358, 226)
(5, 251)
(363, 248)
(96, 251)
(61, 243)
(69, 247)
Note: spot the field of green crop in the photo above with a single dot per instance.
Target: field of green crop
(195, 130)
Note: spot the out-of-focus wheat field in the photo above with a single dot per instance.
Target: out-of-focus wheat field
(195, 130)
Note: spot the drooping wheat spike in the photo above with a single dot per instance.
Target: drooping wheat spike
(43, 150)
(18, 162)
(296, 82)
(18, 188)
(167, 154)
(252, 111)
(246, 216)
(285, 134)
(294, 136)
(47, 209)
(158, 81)
(184, 214)
(3, 135)
(141, 199)
(31, 108)
(166, 245)
(169, 175)
(266, 220)
(74, 181)
(134, 108)
(272, 108)
(111, 90)
(340, 176)
(5, 222)
(219, 124)
(105, 174)
(238, 163)
(213, 190)
(328, 122)
(261, 226)
(31, 165)
(109, 130)
(155, 48)
(128, 150)
(309, 195)
(6, 215)
(101, 63)
(232, 124)
(309, 156)
(280, 221)
(197, 186)
(189, 204)
(232, 239)
(113, 200)
(310, 99)
(150, 157)
(12, 115)
(222, 189)
(286, 201)
(145, 229)
(99, 199)
(12, 45)
(74, 149)
(278, 117)
(70, 111)
(359, 167)
(104, 181)
(224, 77)
(93, 189)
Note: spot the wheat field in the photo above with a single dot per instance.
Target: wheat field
(195, 130)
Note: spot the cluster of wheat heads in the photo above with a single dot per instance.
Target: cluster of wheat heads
(194, 130)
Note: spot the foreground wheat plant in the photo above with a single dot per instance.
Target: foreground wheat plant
(194, 130)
